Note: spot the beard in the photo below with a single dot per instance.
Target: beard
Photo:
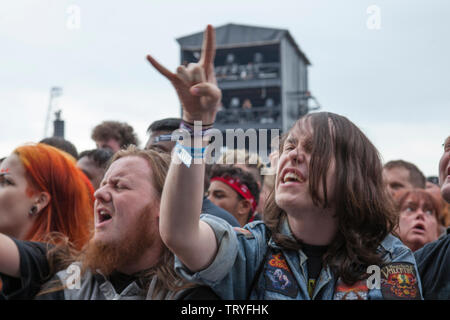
(107, 257)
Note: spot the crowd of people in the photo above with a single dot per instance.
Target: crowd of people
(120, 222)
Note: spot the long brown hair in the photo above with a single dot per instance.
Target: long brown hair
(364, 210)
(167, 279)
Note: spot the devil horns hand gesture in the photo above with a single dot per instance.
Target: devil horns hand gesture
(196, 84)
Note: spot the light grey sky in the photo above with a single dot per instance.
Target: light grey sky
(393, 82)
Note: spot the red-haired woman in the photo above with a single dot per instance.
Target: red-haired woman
(42, 194)
(419, 218)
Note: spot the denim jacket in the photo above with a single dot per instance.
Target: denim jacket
(282, 274)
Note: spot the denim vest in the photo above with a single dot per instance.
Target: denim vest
(244, 254)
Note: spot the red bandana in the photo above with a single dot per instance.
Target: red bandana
(239, 187)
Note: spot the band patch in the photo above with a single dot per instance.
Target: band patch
(279, 277)
(357, 291)
(311, 287)
(399, 282)
(245, 232)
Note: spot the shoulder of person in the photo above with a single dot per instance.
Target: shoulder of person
(252, 230)
(32, 247)
(434, 249)
(53, 289)
(398, 263)
(210, 208)
(392, 248)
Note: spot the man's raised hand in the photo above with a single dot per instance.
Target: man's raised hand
(196, 84)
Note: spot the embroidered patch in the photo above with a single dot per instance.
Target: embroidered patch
(245, 232)
(311, 287)
(279, 277)
(357, 291)
(399, 281)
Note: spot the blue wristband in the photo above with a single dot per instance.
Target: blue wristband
(186, 154)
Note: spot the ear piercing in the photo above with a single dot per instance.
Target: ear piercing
(33, 211)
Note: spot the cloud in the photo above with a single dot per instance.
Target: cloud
(82, 109)
(391, 82)
(416, 142)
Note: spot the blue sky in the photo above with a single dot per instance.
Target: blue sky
(393, 82)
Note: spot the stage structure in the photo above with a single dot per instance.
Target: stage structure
(263, 75)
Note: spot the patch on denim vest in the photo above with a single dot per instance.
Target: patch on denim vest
(279, 277)
(399, 281)
(357, 291)
(245, 232)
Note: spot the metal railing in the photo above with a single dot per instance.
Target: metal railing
(247, 72)
(261, 115)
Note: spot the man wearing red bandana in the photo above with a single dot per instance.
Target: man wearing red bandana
(234, 190)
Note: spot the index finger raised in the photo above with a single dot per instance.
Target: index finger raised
(209, 46)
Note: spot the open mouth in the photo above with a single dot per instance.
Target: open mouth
(292, 176)
(103, 216)
(419, 228)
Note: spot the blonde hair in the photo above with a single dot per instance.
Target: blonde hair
(250, 159)
(241, 156)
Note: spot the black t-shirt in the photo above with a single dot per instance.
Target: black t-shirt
(121, 280)
(433, 263)
(34, 271)
(314, 263)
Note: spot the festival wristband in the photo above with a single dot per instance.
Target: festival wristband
(193, 124)
(186, 154)
(183, 155)
(195, 133)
